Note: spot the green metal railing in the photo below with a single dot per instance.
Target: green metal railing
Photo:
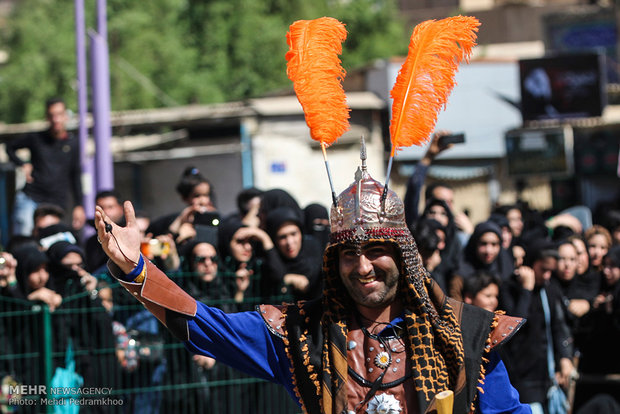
(165, 378)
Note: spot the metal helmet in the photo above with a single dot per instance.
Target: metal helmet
(366, 209)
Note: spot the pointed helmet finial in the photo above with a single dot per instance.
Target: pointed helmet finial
(363, 153)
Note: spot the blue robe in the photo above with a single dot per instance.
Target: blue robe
(242, 341)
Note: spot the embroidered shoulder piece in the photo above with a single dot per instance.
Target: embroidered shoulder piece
(505, 329)
(273, 317)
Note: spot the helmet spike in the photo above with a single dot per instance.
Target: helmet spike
(363, 153)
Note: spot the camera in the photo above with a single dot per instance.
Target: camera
(452, 139)
(154, 247)
(207, 219)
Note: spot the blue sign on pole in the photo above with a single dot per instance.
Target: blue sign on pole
(278, 167)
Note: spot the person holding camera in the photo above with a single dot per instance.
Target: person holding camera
(198, 219)
(161, 250)
(440, 141)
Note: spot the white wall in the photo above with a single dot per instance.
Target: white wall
(284, 156)
(476, 108)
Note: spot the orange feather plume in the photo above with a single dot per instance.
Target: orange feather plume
(317, 74)
(427, 77)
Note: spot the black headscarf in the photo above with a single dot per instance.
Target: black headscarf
(320, 233)
(451, 253)
(272, 199)
(29, 259)
(63, 279)
(310, 258)
(226, 231)
(613, 255)
(277, 217)
(502, 267)
(451, 227)
(581, 286)
(500, 220)
(59, 250)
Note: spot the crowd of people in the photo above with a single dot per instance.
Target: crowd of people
(561, 273)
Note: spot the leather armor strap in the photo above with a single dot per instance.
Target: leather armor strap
(506, 327)
(384, 386)
(170, 304)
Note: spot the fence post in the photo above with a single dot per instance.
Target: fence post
(47, 348)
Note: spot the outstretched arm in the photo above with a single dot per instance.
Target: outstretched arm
(149, 285)
(241, 340)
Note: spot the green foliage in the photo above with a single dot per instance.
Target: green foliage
(176, 52)
(374, 31)
(42, 59)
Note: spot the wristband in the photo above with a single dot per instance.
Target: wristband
(141, 276)
(138, 273)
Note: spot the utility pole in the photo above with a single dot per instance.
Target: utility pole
(102, 130)
(82, 91)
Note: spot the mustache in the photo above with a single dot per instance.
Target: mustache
(374, 273)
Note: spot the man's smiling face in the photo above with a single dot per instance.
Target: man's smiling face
(371, 278)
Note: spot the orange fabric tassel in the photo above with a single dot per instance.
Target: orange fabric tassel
(317, 74)
(427, 77)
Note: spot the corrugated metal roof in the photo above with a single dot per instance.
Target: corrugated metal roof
(139, 117)
(271, 106)
(181, 113)
(289, 105)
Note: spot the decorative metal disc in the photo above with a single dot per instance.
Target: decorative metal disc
(383, 404)
(383, 360)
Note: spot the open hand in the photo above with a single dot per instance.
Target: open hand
(121, 244)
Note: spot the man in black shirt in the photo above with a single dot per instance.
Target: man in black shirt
(54, 167)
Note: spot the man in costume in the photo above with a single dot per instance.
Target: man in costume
(382, 339)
